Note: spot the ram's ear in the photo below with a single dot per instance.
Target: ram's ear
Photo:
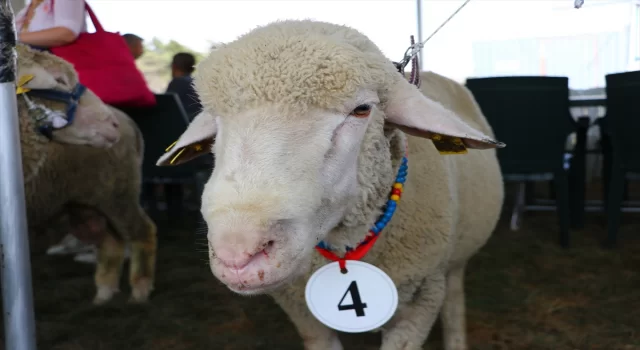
(196, 141)
(414, 113)
(36, 77)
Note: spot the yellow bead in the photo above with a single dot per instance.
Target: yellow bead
(395, 197)
(397, 185)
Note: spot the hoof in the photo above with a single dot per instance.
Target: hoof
(140, 291)
(104, 294)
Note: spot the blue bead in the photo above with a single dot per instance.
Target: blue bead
(404, 160)
(375, 230)
(404, 167)
(380, 226)
(402, 173)
(401, 179)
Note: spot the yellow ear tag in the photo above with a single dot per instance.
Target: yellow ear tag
(448, 144)
(173, 160)
(21, 82)
(195, 148)
(170, 146)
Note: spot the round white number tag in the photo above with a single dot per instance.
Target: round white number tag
(361, 300)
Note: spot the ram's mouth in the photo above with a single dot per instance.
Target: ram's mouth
(245, 290)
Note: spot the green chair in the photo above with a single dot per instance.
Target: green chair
(531, 115)
(621, 147)
(161, 126)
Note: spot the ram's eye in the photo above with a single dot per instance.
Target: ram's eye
(362, 111)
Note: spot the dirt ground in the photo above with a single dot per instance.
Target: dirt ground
(523, 292)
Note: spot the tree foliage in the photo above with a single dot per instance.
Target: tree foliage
(155, 63)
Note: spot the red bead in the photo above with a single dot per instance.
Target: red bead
(396, 191)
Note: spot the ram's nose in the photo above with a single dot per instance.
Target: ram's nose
(237, 257)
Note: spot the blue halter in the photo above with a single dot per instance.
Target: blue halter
(70, 98)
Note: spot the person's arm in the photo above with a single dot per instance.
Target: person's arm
(56, 36)
(68, 21)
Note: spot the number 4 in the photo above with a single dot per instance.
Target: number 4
(356, 303)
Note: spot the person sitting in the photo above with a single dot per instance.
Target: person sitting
(48, 23)
(135, 44)
(182, 66)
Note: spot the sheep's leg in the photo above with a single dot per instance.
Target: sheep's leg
(108, 268)
(129, 220)
(453, 311)
(315, 335)
(143, 260)
(410, 326)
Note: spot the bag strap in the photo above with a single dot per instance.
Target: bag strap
(93, 17)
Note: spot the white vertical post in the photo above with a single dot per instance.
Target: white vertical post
(18, 5)
(419, 20)
(15, 269)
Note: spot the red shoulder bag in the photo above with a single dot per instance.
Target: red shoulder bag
(105, 65)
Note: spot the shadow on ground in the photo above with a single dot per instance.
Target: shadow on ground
(523, 292)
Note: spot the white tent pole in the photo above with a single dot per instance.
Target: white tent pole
(17, 291)
(18, 5)
(419, 20)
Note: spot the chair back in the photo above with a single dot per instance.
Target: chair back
(531, 115)
(622, 121)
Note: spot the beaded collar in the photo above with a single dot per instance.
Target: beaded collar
(363, 247)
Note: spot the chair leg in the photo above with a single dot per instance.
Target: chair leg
(626, 190)
(519, 207)
(606, 168)
(563, 207)
(614, 204)
(174, 196)
(530, 193)
(577, 174)
(149, 198)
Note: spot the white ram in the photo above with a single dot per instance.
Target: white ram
(311, 123)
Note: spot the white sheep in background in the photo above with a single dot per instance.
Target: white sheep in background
(94, 122)
(309, 120)
(91, 170)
